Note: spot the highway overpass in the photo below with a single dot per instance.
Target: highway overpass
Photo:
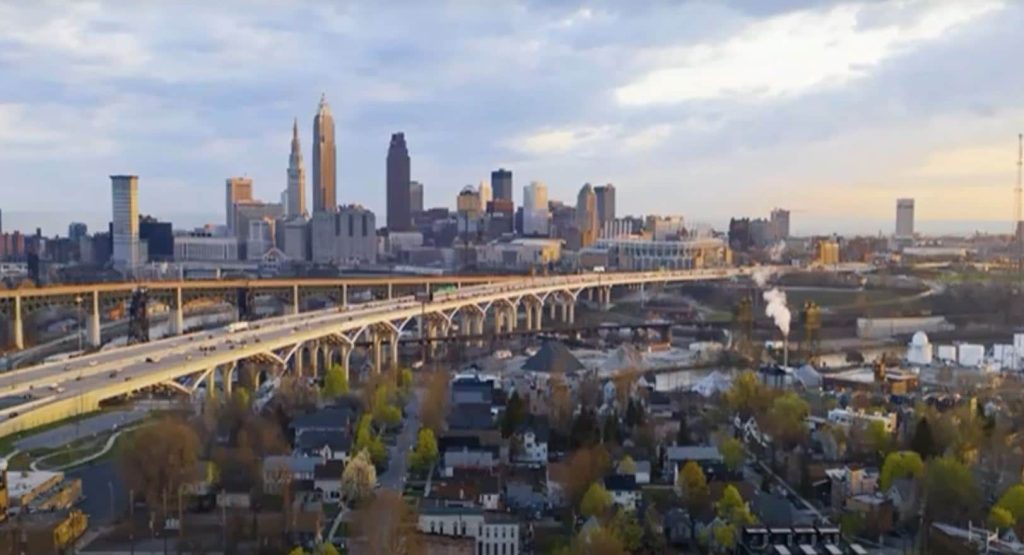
(48, 392)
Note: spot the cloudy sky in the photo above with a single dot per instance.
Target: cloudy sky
(706, 109)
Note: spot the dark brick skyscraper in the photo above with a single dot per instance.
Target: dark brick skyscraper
(398, 180)
(501, 184)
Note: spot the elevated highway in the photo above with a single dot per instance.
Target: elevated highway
(292, 343)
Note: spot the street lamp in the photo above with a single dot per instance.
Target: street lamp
(78, 321)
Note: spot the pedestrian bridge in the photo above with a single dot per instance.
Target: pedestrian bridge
(303, 342)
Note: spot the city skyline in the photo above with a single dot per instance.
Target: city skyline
(715, 146)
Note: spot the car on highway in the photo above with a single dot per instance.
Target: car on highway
(92, 363)
(113, 374)
(152, 359)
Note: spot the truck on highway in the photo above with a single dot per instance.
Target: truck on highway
(237, 326)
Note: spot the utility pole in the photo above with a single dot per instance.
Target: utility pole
(1018, 199)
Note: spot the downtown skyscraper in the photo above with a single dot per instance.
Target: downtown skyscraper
(325, 190)
(398, 180)
(501, 184)
(295, 194)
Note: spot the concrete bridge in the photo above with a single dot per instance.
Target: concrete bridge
(304, 342)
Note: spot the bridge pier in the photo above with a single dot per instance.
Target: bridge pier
(227, 374)
(393, 347)
(552, 307)
(295, 299)
(211, 383)
(19, 326)
(377, 353)
(178, 327)
(93, 327)
(346, 352)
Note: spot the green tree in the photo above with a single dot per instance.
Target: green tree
(732, 508)
(1012, 501)
(367, 439)
(786, 419)
(923, 442)
(748, 396)
(949, 490)
(900, 464)
(335, 382)
(514, 415)
(425, 454)
(693, 487)
(359, 478)
(627, 465)
(596, 501)
(384, 412)
(1001, 519)
(405, 379)
(879, 440)
(732, 453)
(297, 550)
(724, 535)
(625, 526)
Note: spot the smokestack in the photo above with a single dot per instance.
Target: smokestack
(785, 351)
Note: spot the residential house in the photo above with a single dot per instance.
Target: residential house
(707, 456)
(903, 493)
(495, 533)
(466, 452)
(532, 446)
(328, 419)
(876, 510)
(327, 479)
(846, 482)
(468, 488)
(281, 470)
(328, 445)
(525, 490)
(642, 472)
(624, 490)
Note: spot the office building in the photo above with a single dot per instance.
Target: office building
(261, 238)
(246, 212)
(605, 204)
(469, 211)
(905, 218)
(125, 231)
(295, 238)
(203, 247)
(486, 195)
(586, 215)
(295, 192)
(158, 239)
(779, 224)
(501, 181)
(345, 238)
(237, 189)
(415, 197)
(666, 228)
(399, 198)
(325, 187)
(536, 214)
(77, 230)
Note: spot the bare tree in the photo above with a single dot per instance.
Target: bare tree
(434, 409)
(388, 524)
(160, 459)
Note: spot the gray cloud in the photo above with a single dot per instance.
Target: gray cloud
(187, 95)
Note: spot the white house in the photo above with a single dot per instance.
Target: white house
(495, 533)
(534, 448)
(625, 493)
(846, 418)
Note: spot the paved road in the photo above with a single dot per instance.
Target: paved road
(99, 481)
(394, 477)
(67, 433)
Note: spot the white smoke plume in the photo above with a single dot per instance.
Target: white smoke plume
(776, 251)
(777, 310)
(761, 275)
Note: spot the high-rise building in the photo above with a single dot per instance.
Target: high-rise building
(536, 214)
(486, 195)
(295, 191)
(415, 197)
(325, 186)
(501, 181)
(237, 189)
(158, 238)
(779, 224)
(605, 204)
(905, 218)
(77, 230)
(586, 215)
(125, 232)
(345, 238)
(398, 181)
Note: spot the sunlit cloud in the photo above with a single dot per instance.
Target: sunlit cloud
(795, 52)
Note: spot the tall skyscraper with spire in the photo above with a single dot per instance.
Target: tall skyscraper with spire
(325, 190)
(398, 180)
(295, 193)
